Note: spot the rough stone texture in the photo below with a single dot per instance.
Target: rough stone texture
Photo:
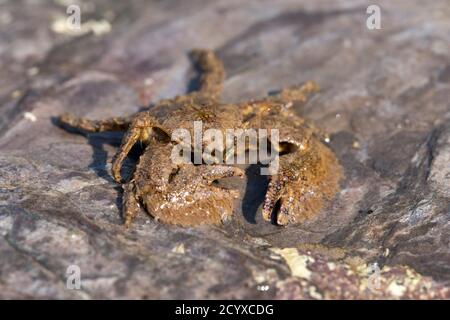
(385, 102)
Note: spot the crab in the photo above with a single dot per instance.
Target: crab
(187, 194)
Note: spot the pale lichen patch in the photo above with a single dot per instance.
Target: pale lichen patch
(395, 289)
(30, 116)
(97, 27)
(179, 249)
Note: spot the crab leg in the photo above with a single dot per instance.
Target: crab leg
(139, 130)
(297, 93)
(131, 205)
(212, 73)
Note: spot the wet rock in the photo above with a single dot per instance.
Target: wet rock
(325, 279)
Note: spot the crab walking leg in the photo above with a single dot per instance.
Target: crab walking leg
(131, 207)
(212, 73)
(283, 99)
(273, 194)
(83, 124)
(139, 130)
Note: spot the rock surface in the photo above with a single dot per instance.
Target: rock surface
(385, 103)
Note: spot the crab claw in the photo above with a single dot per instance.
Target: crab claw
(305, 180)
(191, 198)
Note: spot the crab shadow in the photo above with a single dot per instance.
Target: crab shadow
(255, 190)
(99, 163)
